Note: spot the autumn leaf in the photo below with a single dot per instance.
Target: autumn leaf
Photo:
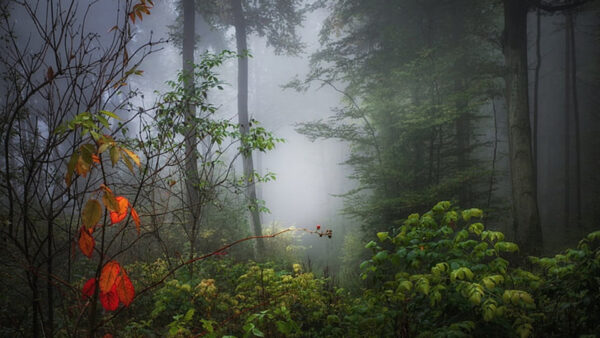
(95, 158)
(109, 200)
(86, 241)
(88, 288)
(133, 156)
(125, 289)
(136, 219)
(119, 214)
(114, 155)
(110, 299)
(108, 276)
(92, 211)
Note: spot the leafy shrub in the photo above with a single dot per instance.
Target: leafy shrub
(443, 274)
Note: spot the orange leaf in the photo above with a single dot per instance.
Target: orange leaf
(108, 276)
(95, 158)
(110, 299)
(136, 219)
(125, 289)
(120, 214)
(86, 241)
(89, 288)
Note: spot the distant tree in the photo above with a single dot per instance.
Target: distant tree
(414, 76)
(527, 227)
(277, 20)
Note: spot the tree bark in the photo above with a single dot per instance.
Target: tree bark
(191, 156)
(567, 124)
(248, 165)
(573, 82)
(527, 229)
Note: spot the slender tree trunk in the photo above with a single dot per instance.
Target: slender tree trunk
(527, 227)
(49, 287)
(463, 131)
(573, 81)
(494, 154)
(241, 44)
(567, 124)
(191, 156)
(536, 86)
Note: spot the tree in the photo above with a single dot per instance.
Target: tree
(54, 66)
(277, 20)
(527, 228)
(414, 76)
(191, 144)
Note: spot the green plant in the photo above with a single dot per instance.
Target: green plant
(443, 274)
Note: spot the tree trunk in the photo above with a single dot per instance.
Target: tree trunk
(567, 124)
(526, 224)
(536, 85)
(191, 157)
(241, 44)
(573, 81)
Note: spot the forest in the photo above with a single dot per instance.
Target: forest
(299, 168)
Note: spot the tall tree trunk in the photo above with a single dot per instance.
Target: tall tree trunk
(536, 85)
(527, 229)
(567, 124)
(191, 156)
(241, 44)
(573, 81)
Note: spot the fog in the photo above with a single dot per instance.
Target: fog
(299, 168)
(308, 174)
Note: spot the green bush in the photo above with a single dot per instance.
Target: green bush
(443, 274)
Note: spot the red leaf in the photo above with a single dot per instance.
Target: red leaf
(125, 289)
(86, 241)
(109, 274)
(89, 288)
(136, 219)
(110, 299)
(119, 215)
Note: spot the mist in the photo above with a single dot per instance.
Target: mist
(299, 168)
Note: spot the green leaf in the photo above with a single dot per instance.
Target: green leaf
(476, 228)
(381, 256)
(110, 114)
(383, 236)
(370, 245)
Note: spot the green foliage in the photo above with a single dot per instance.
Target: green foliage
(439, 274)
(437, 264)
(569, 289)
